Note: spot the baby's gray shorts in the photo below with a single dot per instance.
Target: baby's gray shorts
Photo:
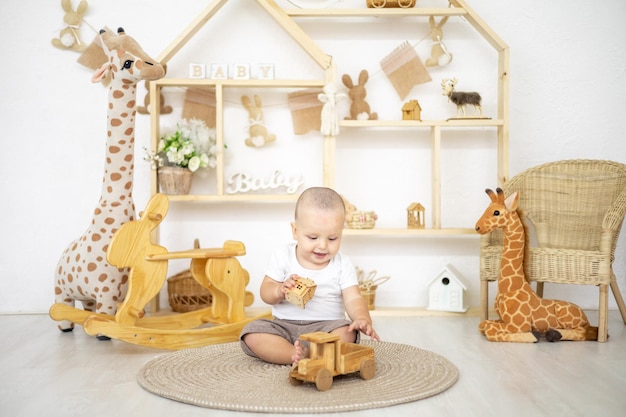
(291, 329)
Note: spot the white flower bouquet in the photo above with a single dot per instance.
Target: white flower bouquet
(192, 145)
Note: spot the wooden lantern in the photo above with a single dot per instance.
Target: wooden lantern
(415, 216)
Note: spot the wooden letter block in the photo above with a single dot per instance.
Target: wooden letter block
(197, 71)
(241, 71)
(264, 71)
(219, 71)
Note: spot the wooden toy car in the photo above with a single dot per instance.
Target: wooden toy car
(330, 357)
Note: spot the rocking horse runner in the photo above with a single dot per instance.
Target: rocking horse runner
(524, 316)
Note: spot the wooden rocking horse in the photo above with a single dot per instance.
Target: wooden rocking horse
(216, 269)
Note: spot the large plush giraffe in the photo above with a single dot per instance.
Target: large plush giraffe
(524, 316)
(83, 272)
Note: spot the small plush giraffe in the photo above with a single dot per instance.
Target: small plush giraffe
(83, 272)
(524, 316)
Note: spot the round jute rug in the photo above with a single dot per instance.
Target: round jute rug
(223, 377)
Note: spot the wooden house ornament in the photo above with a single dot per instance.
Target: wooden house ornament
(446, 292)
(302, 292)
(411, 110)
(415, 214)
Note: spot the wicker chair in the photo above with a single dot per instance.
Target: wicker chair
(574, 210)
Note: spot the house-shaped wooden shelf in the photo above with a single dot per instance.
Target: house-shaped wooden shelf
(287, 19)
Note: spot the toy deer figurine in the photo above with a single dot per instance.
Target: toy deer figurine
(461, 99)
(524, 316)
(83, 272)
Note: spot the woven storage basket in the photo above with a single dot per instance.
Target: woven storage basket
(370, 296)
(361, 219)
(185, 294)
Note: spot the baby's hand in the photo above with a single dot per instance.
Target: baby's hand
(287, 284)
(365, 327)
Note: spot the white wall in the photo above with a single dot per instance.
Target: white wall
(567, 82)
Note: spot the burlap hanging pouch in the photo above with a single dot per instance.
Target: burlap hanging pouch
(306, 110)
(200, 104)
(404, 69)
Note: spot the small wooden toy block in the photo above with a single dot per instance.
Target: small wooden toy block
(302, 292)
(329, 357)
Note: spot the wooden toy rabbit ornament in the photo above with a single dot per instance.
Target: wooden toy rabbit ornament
(359, 109)
(439, 55)
(258, 132)
(69, 37)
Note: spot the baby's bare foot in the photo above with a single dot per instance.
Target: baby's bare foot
(300, 352)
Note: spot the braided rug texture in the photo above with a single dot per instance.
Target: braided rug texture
(223, 377)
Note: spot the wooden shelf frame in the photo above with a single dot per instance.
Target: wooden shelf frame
(285, 18)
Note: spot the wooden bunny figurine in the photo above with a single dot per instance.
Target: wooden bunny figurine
(439, 49)
(69, 37)
(359, 109)
(258, 131)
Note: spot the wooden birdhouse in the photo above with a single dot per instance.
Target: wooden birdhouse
(411, 110)
(415, 214)
(302, 292)
(447, 291)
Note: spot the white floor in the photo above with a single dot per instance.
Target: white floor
(47, 373)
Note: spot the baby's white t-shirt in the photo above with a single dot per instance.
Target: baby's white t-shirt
(327, 303)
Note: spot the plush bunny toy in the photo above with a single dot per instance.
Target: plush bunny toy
(258, 131)
(359, 109)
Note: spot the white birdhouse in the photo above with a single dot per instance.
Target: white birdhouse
(446, 292)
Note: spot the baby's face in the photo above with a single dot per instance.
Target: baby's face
(318, 234)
